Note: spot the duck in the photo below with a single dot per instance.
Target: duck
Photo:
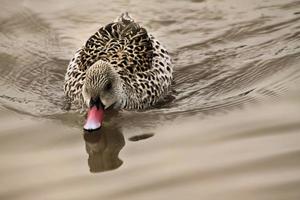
(122, 67)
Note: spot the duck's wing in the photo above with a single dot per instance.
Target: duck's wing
(123, 43)
(74, 79)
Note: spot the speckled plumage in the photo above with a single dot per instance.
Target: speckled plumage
(142, 63)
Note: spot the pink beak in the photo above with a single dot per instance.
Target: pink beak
(94, 119)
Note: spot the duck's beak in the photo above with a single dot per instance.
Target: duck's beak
(95, 115)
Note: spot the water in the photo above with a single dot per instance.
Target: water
(232, 130)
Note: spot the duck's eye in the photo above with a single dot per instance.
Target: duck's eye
(108, 86)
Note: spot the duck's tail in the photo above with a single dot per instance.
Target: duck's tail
(125, 18)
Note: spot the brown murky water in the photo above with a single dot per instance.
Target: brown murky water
(232, 131)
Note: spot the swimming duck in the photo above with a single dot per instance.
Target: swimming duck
(121, 66)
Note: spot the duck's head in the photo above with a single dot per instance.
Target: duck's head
(101, 90)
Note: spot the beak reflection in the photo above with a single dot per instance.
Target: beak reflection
(103, 148)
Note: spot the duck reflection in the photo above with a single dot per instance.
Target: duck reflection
(103, 147)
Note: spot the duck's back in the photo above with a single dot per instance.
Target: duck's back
(140, 60)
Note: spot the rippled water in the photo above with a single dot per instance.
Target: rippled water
(231, 132)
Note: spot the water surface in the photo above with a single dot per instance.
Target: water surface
(231, 132)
